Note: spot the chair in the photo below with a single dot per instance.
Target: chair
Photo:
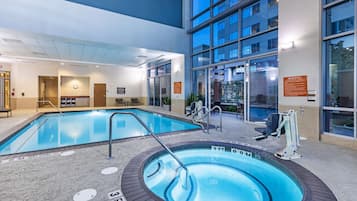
(120, 102)
(135, 101)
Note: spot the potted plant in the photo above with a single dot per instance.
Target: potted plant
(166, 102)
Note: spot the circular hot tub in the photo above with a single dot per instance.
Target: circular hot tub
(219, 171)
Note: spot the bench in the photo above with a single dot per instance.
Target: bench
(8, 111)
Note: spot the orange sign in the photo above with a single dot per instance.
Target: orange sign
(295, 86)
(177, 87)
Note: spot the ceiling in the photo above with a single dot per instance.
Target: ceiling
(35, 47)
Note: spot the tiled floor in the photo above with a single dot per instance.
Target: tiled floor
(53, 177)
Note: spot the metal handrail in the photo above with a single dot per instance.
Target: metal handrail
(208, 116)
(50, 103)
(150, 132)
(220, 115)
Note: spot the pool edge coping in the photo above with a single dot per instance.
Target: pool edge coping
(134, 187)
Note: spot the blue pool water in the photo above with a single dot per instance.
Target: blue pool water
(219, 175)
(74, 128)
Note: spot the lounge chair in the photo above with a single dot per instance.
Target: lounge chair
(120, 102)
(135, 101)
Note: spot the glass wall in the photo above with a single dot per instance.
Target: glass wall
(199, 6)
(263, 100)
(225, 30)
(339, 109)
(201, 40)
(199, 80)
(225, 53)
(238, 34)
(4, 90)
(227, 86)
(159, 84)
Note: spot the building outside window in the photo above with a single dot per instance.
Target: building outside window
(221, 57)
(339, 68)
(199, 6)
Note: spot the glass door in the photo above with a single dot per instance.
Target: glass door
(228, 87)
(200, 85)
(157, 94)
(263, 88)
(165, 90)
(4, 90)
(151, 91)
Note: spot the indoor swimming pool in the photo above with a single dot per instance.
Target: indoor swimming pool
(54, 130)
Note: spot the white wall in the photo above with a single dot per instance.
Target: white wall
(25, 78)
(300, 21)
(71, 20)
(74, 86)
(178, 75)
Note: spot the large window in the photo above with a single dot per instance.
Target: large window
(201, 59)
(201, 40)
(225, 53)
(339, 111)
(260, 44)
(225, 30)
(340, 72)
(340, 18)
(201, 19)
(263, 81)
(221, 7)
(199, 6)
(259, 17)
(222, 52)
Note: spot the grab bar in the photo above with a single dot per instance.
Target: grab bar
(50, 103)
(220, 115)
(150, 133)
(208, 116)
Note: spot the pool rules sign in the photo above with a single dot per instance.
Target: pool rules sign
(295, 86)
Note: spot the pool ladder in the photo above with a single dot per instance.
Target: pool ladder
(150, 133)
(208, 117)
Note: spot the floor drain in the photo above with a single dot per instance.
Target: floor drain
(109, 170)
(67, 153)
(85, 195)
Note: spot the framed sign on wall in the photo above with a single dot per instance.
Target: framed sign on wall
(120, 90)
(295, 86)
(177, 87)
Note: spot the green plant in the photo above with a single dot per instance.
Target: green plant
(231, 108)
(191, 98)
(166, 100)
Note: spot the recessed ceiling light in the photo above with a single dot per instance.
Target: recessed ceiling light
(97, 66)
(62, 64)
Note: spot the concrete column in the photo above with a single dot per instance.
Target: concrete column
(300, 22)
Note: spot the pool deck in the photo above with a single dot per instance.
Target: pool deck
(50, 176)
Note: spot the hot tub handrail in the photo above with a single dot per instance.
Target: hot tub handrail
(150, 132)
